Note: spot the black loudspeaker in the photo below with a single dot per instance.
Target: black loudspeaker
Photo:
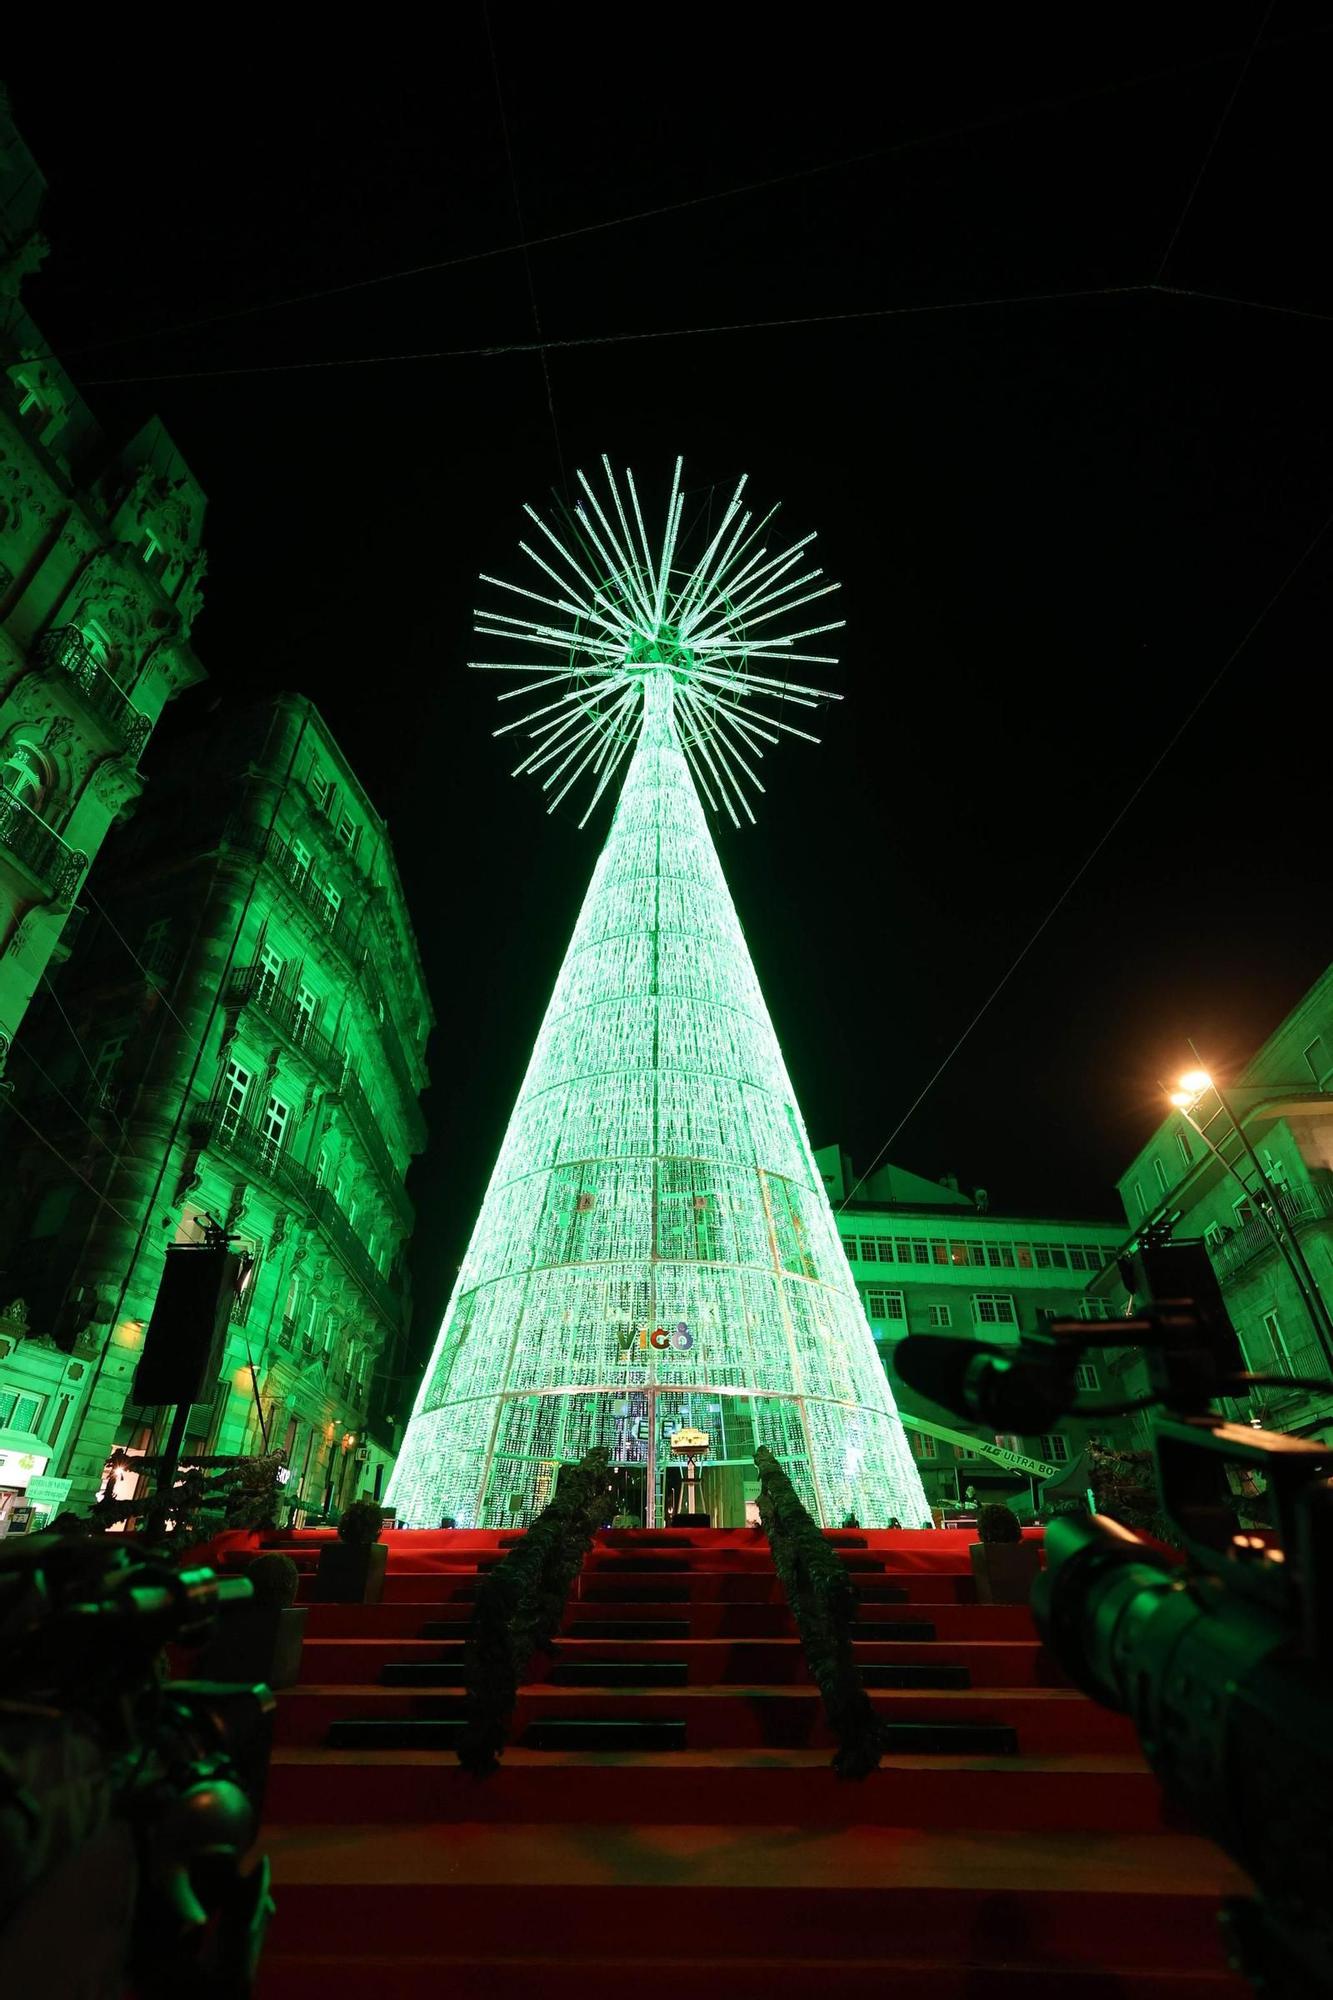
(183, 1346)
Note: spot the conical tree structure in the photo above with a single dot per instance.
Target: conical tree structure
(656, 1248)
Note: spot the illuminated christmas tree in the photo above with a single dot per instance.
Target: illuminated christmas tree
(656, 1247)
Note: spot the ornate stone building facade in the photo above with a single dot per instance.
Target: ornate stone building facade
(100, 572)
(250, 1002)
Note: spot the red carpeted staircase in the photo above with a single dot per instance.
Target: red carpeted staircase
(666, 1815)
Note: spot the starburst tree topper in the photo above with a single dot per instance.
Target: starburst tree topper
(625, 617)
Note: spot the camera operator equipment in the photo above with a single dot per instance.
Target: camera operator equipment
(127, 1802)
(1224, 1662)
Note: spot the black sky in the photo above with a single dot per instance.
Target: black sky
(1054, 522)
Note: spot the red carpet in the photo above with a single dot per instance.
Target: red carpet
(666, 1816)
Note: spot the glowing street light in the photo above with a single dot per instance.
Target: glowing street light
(1185, 1098)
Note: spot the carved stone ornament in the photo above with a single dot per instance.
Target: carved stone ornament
(15, 1315)
(189, 1179)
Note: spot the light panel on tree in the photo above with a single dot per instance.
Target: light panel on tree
(656, 1172)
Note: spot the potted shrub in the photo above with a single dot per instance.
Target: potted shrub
(262, 1640)
(351, 1570)
(1004, 1566)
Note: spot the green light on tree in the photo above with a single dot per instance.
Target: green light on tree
(656, 1170)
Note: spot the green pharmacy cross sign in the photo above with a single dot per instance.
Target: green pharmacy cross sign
(656, 1172)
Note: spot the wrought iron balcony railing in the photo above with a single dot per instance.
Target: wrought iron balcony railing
(67, 652)
(245, 1143)
(1251, 1240)
(367, 1128)
(256, 987)
(42, 852)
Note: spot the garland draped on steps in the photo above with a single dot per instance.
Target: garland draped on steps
(822, 1599)
(520, 1604)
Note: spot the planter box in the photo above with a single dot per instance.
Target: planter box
(1004, 1572)
(255, 1642)
(350, 1573)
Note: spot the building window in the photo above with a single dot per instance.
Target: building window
(321, 1168)
(1136, 1189)
(939, 1316)
(920, 1250)
(923, 1446)
(1097, 1309)
(19, 1412)
(25, 775)
(884, 1249)
(1186, 1150)
(153, 557)
(274, 1127)
(1312, 1055)
(332, 904)
(155, 951)
(303, 1018)
(994, 1309)
(1077, 1261)
(300, 863)
(32, 407)
(1093, 1256)
(270, 975)
(1275, 1360)
(1215, 1235)
(1086, 1376)
(883, 1304)
(1055, 1449)
(1023, 1254)
(348, 833)
(105, 1065)
(321, 791)
(235, 1091)
(1160, 1171)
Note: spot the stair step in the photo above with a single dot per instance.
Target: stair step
(871, 1590)
(444, 1674)
(620, 1673)
(575, 1732)
(628, 1628)
(648, 1591)
(916, 1677)
(401, 1732)
(439, 1628)
(916, 1631)
(951, 1739)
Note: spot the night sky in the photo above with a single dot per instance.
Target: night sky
(1055, 522)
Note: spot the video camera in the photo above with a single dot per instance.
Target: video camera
(127, 1801)
(1223, 1661)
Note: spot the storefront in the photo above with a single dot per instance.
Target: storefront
(23, 1458)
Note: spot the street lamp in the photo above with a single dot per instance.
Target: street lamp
(1195, 1084)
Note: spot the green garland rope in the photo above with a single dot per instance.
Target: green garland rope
(520, 1605)
(823, 1601)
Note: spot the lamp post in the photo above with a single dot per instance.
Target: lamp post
(1185, 1097)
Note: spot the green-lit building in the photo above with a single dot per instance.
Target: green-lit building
(101, 567)
(1198, 1170)
(239, 1034)
(929, 1258)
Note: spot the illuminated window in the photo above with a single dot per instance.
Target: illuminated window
(940, 1316)
(882, 1304)
(235, 1090)
(923, 1446)
(300, 862)
(994, 1309)
(321, 1168)
(270, 975)
(349, 833)
(19, 1412)
(273, 1129)
(958, 1253)
(1023, 1254)
(332, 904)
(303, 1015)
